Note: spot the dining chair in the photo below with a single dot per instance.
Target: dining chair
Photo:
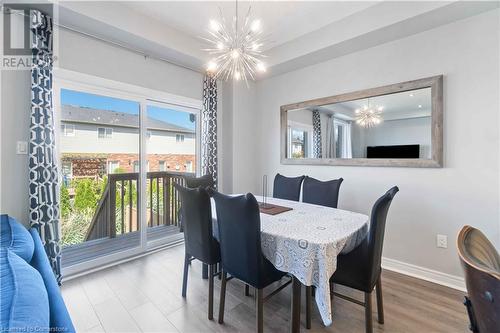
(198, 236)
(287, 188)
(481, 264)
(361, 268)
(203, 181)
(321, 193)
(241, 254)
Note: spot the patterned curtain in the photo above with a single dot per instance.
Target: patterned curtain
(43, 175)
(316, 120)
(209, 128)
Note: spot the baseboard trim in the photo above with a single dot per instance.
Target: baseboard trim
(448, 280)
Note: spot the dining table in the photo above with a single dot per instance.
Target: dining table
(305, 242)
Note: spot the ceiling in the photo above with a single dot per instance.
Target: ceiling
(282, 20)
(408, 104)
(301, 33)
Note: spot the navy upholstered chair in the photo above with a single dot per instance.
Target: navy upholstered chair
(321, 193)
(198, 236)
(287, 188)
(203, 181)
(361, 268)
(206, 181)
(241, 254)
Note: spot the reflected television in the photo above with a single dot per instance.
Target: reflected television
(398, 151)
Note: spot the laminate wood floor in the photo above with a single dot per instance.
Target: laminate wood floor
(144, 295)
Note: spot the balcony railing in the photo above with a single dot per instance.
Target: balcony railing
(118, 210)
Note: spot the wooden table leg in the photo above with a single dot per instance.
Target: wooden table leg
(295, 324)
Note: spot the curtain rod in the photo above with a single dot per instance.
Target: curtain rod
(117, 44)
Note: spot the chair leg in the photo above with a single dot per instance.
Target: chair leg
(368, 312)
(204, 271)
(308, 306)
(185, 277)
(247, 290)
(259, 309)
(222, 300)
(211, 269)
(380, 301)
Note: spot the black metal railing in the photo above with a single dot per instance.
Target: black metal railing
(118, 210)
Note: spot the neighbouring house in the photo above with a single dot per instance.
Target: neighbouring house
(95, 142)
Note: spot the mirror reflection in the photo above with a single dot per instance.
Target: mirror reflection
(389, 126)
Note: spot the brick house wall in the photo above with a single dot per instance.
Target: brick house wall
(86, 165)
(171, 162)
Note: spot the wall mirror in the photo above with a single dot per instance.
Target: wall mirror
(396, 125)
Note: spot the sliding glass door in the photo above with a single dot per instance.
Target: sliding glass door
(98, 143)
(120, 156)
(171, 148)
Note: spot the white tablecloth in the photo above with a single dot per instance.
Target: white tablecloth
(305, 242)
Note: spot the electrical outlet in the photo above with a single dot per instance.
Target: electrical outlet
(442, 241)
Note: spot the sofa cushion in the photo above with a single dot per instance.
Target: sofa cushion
(60, 321)
(16, 238)
(24, 305)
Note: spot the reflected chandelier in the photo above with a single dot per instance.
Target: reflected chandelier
(369, 116)
(236, 50)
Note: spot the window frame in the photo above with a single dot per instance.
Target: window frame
(65, 130)
(105, 136)
(67, 79)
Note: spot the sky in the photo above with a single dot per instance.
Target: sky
(77, 98)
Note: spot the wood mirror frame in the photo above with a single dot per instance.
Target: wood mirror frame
(436, 160)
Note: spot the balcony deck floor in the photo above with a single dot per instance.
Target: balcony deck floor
(144, 295)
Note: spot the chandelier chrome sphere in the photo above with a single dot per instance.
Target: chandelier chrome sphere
(236, 49)
(369, 116)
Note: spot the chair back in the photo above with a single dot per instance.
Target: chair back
(287, 188)
(203, 181)
(238, 220)
(375, 237)
(481, 264)
(321, 193)
(197, 223)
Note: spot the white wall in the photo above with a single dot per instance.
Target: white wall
(82, 54)
(409, 131)
(431, 201)
(124, 140)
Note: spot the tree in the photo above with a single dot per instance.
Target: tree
(87, 194)
(65, 203)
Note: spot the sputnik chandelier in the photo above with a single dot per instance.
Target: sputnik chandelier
(236, 49)
(369, 116)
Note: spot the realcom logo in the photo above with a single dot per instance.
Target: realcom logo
(18, 41)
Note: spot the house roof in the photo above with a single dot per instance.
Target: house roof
(77, 114)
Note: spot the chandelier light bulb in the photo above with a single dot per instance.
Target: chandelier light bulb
(235, 54)
(255, 27)
(214, 25)
(237, 76)
(261, 67)
(212, 66)
(220, 45)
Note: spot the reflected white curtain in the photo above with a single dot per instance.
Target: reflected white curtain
(330, 138)
(348, 140)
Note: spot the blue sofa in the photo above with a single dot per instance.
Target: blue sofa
(30, 297)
